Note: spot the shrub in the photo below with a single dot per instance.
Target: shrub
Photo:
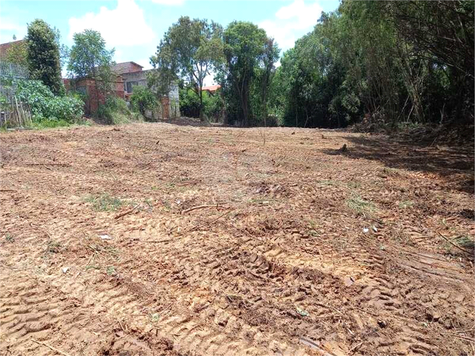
(45, 105)
(190, 104)
(114, 111)
(143, 99)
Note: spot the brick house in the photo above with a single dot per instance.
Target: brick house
(133, 74)
(5, 47)
(88, 88)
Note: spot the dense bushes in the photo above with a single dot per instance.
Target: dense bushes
(190, 104)
(143, 99)
(114, 111)
(45, 105)
(381, 64)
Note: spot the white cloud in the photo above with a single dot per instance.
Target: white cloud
(123, 26)
(292, 21)
(169, 2)
(144, 62)
(9, 28)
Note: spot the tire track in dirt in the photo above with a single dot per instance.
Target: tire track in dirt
(236, 286)
(38, 309)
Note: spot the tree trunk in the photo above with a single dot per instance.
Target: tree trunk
(201, 105)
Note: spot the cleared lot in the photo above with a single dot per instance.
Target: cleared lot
(157, 239)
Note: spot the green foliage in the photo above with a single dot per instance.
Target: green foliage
(43, 55)
(114, 111)
(43, 123)
(190, 104)
(391, 62)
(250, 56)
(88, 55)
(361, 206)
(190, 50)
(45, 106)
(18, 54)
(89, 58)
(143, 99)
(105, 202)
(3, 102)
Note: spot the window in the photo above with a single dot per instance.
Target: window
(130, 86)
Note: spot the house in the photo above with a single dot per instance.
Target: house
(9, 66)
(211, 89)
(133, 74)
(5, 47)
(88, 88)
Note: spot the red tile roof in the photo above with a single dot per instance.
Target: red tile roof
(126, 67)
(211, 88)
(4, 47)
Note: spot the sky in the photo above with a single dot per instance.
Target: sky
(135, 27)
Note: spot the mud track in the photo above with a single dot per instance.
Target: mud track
(214, 243)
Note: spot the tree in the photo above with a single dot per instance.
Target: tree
(143, 99)
(18, 54)
(441, 35)
(264, 75)
(89, 58)
(245, 50)
(43, 55)
(188, 51)
(393, 63)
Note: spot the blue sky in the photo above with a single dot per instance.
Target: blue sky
(135, 27)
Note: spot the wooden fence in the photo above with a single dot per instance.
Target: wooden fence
(13, 112)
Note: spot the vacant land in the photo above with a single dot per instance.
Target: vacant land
(157, 239)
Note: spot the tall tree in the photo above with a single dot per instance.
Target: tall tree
(43, 55)
(89, 58)
(244, 49)
(188, 51)
(265, 74)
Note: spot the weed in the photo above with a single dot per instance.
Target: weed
(105, 203)
(53, 247)
(110, 270)
(9, 238)
(155, 317)
(465, 242)
(361, 206)
(313, 233)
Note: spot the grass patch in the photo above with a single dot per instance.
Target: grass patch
(105, 202)
(465, 242)
(361, 206)
(49, 124)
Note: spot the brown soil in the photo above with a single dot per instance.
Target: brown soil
(302, 249)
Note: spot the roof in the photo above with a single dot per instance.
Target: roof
(4, 47)
(211, 88)
(125, 67)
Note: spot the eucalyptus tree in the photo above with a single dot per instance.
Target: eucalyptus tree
(190, 50)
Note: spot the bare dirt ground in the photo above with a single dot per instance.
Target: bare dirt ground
(296, 247)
